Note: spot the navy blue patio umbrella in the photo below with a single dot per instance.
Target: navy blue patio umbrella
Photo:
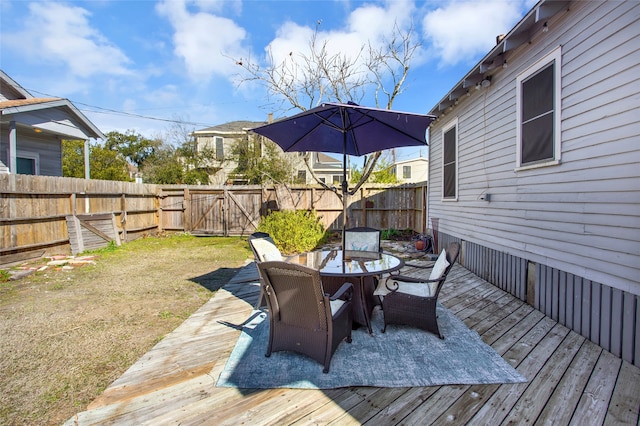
(347, 129)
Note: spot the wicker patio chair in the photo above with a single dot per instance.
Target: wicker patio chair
(412, 301)
(362, 239)
(264, 249)
(302, 318)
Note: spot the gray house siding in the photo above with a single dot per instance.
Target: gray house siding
(49, 153)
(572, 230)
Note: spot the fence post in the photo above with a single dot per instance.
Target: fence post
(158, 206)
(123, 216)
(186, 210)
(72, 203)
(363, 207)
(225, 213)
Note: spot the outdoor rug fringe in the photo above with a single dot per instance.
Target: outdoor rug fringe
(401, 357)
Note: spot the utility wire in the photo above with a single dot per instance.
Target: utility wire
(101, 110)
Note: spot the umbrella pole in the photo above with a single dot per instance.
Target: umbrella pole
(345, 193)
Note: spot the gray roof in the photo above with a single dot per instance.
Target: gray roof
(232, 127)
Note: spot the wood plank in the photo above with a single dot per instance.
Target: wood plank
(467, 405)
(594, 401)
(517, 332)
(397, 410)
(534, 398)
(369, 407)
(474, 300)
(338, 407)
(490, 330)
(286, 402)
(485, 318)
(563, 401)
(175, 382)
(440, 401)
(315, 405)
(537, 349)
(623, 408)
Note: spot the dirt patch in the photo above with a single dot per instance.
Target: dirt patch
(65, 335)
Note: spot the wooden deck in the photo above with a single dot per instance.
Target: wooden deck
(571, 380)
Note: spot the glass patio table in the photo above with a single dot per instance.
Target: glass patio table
(357, 267)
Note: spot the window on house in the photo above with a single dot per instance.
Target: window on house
(302, 176)
(26, 166)
(219, 148)
(406, 172)
(337, 178)
(450, 161)
(538, 113)
(27, 163)
(322, 180)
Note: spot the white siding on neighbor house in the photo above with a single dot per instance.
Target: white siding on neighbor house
(419, 170)
(583, 215)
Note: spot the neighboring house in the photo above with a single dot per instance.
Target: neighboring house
(222, 138)
(535, 167)
(327, 169)
(412, 171)
(32, 130)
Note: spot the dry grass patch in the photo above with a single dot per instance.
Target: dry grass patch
(66, 335)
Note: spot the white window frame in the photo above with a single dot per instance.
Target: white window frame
(553, 56)
(217, 139)
(451, 124)
(30, 155)
(406, 172)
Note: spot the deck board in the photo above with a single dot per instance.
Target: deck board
(571, 380)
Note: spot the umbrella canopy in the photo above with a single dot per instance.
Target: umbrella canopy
(347, 129)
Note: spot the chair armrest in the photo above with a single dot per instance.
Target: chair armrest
(413, 279)
(411, 286)
(346, 289)
(411, 265)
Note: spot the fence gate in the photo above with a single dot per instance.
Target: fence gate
(224, 212)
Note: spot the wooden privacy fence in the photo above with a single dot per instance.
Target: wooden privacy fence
(35, 210)
(43, 215)
(236, 210)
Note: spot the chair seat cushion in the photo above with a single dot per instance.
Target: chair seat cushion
(336, 305)
(441, 265)
(415, 289)
(267, 251)
(362, 241)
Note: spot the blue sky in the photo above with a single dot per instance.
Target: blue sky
(139, 64)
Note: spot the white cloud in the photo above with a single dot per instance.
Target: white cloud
(59, 33)
(366, 24)
(373, 23)
(205, 42)
(461, 31)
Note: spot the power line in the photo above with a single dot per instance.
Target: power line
(101, 110)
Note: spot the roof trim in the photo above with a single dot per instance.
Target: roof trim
(49, 103)
(21, 91)
(532, 22)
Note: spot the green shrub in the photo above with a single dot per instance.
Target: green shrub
(294, 231)
(388, 234)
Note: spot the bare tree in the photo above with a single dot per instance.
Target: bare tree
(304, 80)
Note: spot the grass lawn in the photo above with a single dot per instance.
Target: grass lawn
(66, 335)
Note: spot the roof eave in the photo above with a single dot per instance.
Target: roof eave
(89, 128)
(520, 34)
